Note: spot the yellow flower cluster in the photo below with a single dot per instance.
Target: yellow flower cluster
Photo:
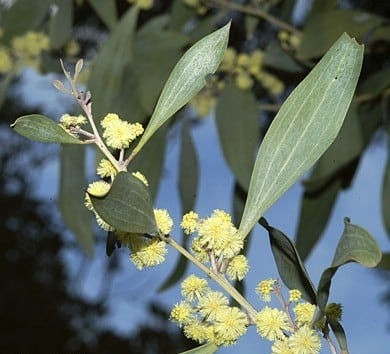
(145, 252)
(248, 68)
(265, 288)
(218, 242)
(163, 220)
(67, 121)
(142, 4)
(206, 316)
(119, 133)
(197, 5)
(289, 41)
(6, 62)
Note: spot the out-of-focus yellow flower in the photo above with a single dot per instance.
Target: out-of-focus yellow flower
(229, 60)
(72, 48)
(271, 83)
(6, 63)
(204, 102)
(244, 81)
(142, 4)
(163, 220)
(30, 44)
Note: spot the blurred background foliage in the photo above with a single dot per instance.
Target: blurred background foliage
(129, 49)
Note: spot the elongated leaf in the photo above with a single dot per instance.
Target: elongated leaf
(41, 128)
(386, 194)
(237, 117)
(108, 70)
(187, 79)
(355, 245)
(307, 123)
(276, 57)
(71, 196)
(106, 9)
(341, 338)
(290, 266)
(4, 84)
(60, 26)
(127, 206)
(180, 15)
(23, 16)
(208, 348)
(376, 83)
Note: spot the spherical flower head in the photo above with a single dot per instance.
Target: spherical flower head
(189, 222)
(6, 63)
(68, 121)
(230, 324)
(141, 177)
(212, 303)
(147, 252)
(193, 287)
(109, 119)
(182, 313)
(305, 341)
(265, 288)
(244, 81)
(304, 313)
(163, 220)
(334, 312)
(237, 268)
(281, 347)
(243, 60)
(30, 44)
(270, 323)
(294, 295)
(255, 62)
(199, 332)
(98, 188)
(119, 134)
(106, 169)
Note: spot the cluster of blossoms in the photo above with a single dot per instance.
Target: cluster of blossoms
(289, 41)
(206, 316)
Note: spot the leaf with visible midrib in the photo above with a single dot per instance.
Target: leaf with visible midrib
(307, 123)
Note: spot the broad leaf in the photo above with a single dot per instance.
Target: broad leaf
(290, 266)
(237, 117)
(127, 206)
(60, 25)
(355, 245)
(187, 79)
(106, 10)
(386, 194)
(107, 76)
(208, 348)
(307, 123)
(71, 197)
(40, 128)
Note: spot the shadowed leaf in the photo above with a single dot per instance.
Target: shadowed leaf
(209, 348)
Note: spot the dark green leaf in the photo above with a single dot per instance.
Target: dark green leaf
(205, 26)
(237, 117)
(275, 57)
(71, 196)
(23, 16)
(4, 84)
(180, 15)
(290, 266)
(323, 29)
(376, 83)
(60, 25)
(128, 206)
(341, 338)
(106, 10)
(305, 126)
(370, 118)
(208, 348)
(385, 261)
(40, 128)
(355, 245)
(386, 194)
(187, 79)
(107, 75)
(316, 209)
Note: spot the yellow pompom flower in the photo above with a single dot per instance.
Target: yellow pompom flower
(98, 188)
(182, 313)
(193, 287)
(229, 60)
(243, 60)
(106, 169)
(189, 222)
(203, 103)
(281, 347)
(31, 44)
(119, 134)
(305, 341)
(270, 323)
(163, 220)
(199, 332)
(109, 119)
(265, 288)
(211, 303)
(255, 62)
(68, 121)
(142, 4)
(230, 324)
(147, 252)
(237, 268)
(295, 295)
(141, 177)
(244, 81)
(304, 313)
(72, 48)
(6, 63)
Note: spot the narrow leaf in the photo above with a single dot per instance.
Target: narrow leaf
(4, 84)
(386, 194)
(71, 196)
(290, 266)
(237, 117)
(355, 245)
(277, 58)
(208, 348)
(341, 338)
(60, 25)
(106, 10)
(127, 206)
(187, 79)
(41, 128)
(307, 123)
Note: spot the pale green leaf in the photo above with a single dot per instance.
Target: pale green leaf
(208, 348)
(40, 128)
(71, 197)
(187, 79)
(106, 10)
(307, 123)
